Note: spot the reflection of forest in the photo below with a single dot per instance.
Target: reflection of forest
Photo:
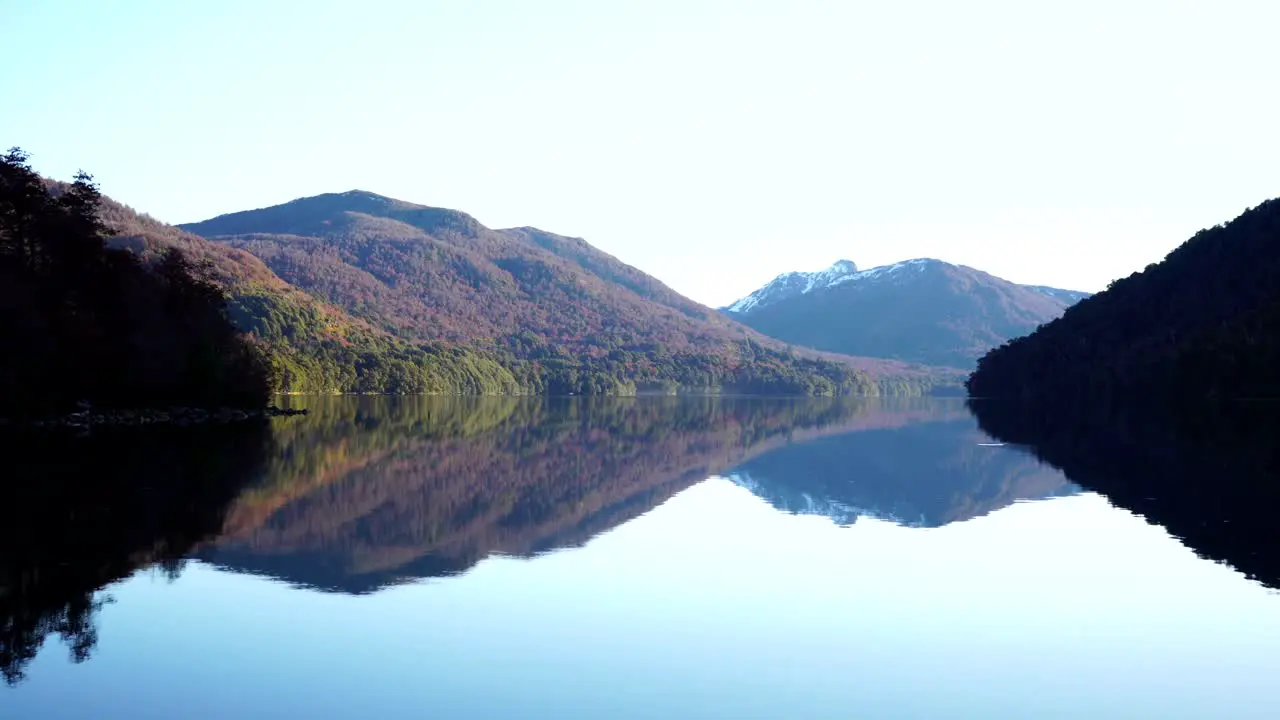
(369, 491)
(80, 513)
(1208, 477)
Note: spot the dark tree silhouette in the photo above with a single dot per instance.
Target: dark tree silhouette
(1203, 325)
(83, 321)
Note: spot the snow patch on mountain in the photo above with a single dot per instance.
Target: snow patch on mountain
(1070, 297)
(905, 267)
(791, 284)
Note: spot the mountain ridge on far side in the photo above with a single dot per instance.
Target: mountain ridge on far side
(575, 318)
(921, 310)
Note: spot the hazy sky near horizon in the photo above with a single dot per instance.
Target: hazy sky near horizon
(711, 144)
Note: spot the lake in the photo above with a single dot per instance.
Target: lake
(635, 558)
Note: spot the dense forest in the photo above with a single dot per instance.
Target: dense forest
(314, 346)
(1202, 325)
(86, 322)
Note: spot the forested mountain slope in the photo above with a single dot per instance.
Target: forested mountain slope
(318, 347)
(1202, 324)
(566, 316)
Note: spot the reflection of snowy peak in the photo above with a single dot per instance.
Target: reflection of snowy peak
(791, 284)
(802, 503)
(921, 475)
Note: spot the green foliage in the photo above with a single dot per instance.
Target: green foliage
(317, 352)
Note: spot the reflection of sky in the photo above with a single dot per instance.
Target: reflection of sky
(712, 605)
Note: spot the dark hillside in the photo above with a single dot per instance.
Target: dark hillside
(86, 322)
(1202, 324)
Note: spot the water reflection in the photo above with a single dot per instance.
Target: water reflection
(1211, 477)
(366, 493)
(927, 473)
(81, 513)
(374, 491)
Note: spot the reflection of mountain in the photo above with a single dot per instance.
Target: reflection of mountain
(79, 514)
(1209, 478)
(373, 491)
(922, 475)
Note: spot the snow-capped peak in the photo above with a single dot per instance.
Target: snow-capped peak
(791, 284)
(795, 283)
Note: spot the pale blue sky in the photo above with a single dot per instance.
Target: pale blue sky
(712, 144)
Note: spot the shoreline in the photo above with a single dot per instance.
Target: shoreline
(87, 418)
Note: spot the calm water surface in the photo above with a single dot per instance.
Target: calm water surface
(631, 558)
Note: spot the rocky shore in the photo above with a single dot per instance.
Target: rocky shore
(87, 417)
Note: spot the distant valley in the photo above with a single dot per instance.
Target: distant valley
(921, 311)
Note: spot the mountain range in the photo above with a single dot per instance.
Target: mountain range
(921, 311)
(358, 292)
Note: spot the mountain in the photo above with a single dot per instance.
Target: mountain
(921, 311)
(564, 316)
(793, 284)
(1070, 297)
(317, 346)
(1202, 324)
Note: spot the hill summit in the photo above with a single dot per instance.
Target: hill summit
(921, 310)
